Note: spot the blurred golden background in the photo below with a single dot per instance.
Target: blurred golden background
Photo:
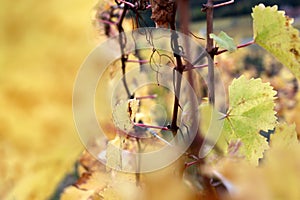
(42, 45)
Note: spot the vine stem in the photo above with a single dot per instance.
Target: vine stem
(190, 67)
(189, 164)
(127, 3)
(239, 46)
(209, 9)
(153, 96)
(138, 175)
(223, 4)
(151, 126)
(138, 61)
(106, 22)
(179, 69)
(124, 57)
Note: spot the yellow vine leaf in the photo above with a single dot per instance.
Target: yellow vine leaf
(124, 113)
(110, 194)
(72, 192)
(117, 153)
(251, 110)
(274, 32)
(285, 136)
(277, 178)
(104, 185)
(114, 153)
(211, 130)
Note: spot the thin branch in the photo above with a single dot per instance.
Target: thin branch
(151, 126)
(147, 97)
(223, 4)
(128, 3)
(160, 138)
(190, 67)
(239, 46)
(107, 22)
(186, 165)
(138, 61)
(138, 175)
(195, 36)
(189, 155)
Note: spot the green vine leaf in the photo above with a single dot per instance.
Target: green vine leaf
(274, 32)
(251, 110)
(224, 41)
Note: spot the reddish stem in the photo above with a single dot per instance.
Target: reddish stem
(191, 163)
(223, 4)
(107, 22)
(197, 67)
(147, 97)
(239, 46)
(138, 61)
(151, 126)
(128, 3)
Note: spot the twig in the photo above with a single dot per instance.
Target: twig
(138, 175)
(151, 126)
(160, 138)
(223, 4)
(190, 67)
(107, 22)
(195, 36)
(139, 61)
(186, 165)
(127, 3)
(147, 97)
(239, 46)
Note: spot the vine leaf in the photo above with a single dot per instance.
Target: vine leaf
(104, 185)
(274, 32)
(211, 130)
(114, 153)
(279, 169)
(224, 41)
(124, 114)
(285, 136)
(251, 110)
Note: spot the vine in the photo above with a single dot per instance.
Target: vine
(251, 108)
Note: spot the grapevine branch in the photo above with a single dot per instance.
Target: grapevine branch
(179, 68)
(212, 51)
(209, 9)
(122, 42)
(138, 175)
